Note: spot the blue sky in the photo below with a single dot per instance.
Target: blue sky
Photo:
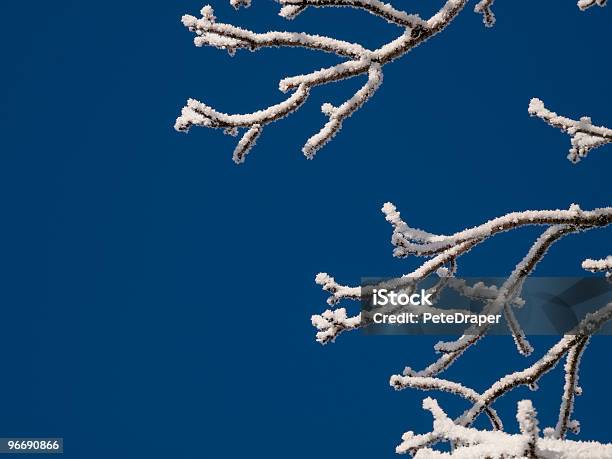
(157, 297)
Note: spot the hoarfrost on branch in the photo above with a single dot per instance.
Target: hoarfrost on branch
(443, 252)
(358, 61)
(584, 135)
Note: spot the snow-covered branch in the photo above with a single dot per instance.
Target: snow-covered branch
(570, 389)
(599, 266)
(291, 8)
(478, 444)
(358, 61)
(444, 250)
(484, 7)
(572, 345)
(427, 383)
(584, 135)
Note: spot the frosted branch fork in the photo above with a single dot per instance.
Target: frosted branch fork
(361, 61)
(584, 135)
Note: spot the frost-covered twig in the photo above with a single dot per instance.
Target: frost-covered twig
(584, 135)
(427, 383)
(478, 291)
(585, 4)
(412, 241)
(570, 389)
(599, 266)
(331, 323)
(572, 345)
(484, 7)
(291, 8)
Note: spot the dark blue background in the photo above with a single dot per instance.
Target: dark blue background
(156, 297)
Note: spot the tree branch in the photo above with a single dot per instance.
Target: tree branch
(291, 8)
(478, 444)
(570, 389)
(586, 4)
(360, 61)
(599, 266)
(584, 135)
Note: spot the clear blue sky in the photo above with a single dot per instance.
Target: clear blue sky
(156, 297)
